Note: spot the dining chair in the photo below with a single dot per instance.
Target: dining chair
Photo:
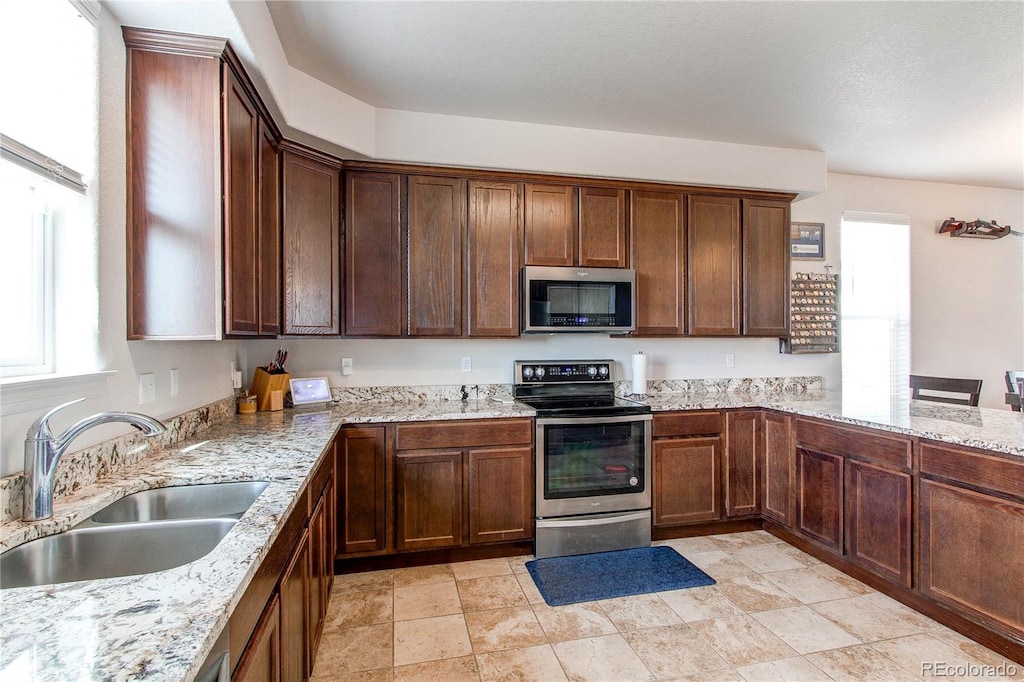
(970, 387)
(1013, 389)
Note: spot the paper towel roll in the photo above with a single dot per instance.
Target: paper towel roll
(640, 374)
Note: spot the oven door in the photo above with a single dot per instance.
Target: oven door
(590, 465)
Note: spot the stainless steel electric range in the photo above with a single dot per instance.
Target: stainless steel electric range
(593, 458)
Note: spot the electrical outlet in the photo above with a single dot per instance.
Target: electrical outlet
(174, 381)
(236, 376)
(467, 363)
(730, 360)
(147, 388)
(346, 366)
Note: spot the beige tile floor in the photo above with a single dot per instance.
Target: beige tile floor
(774, 614)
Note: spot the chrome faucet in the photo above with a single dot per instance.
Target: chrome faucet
(43, 451)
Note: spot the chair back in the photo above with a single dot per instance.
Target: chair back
(970, 387)
(1013, 379)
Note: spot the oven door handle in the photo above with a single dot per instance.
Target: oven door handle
(571, 421)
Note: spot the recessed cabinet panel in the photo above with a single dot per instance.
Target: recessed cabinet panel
(506, 515)
(269, 234)
(713, 265)
(312, 248)
(603, 239)
(765, 267)
(437, 222)
(373, 254)
(878, 520)
(744, 439)
(778, 468)
(820, 497)
(659, 257)
(686, 481)
(493, 249)
(241, 210)
(429, 499)
(550, 230)
(361, 490)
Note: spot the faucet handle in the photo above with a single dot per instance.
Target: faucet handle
(41, 427)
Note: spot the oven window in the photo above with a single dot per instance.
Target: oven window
(593, 459)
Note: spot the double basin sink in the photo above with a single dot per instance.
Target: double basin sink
(149, 531)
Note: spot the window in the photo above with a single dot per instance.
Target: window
(875, 309)
(47, 233)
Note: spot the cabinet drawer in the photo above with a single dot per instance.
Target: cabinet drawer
(478, 432)
(972, 468)
(841, 440)
(687, 424)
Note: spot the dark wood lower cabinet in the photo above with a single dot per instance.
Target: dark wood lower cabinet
(428, 492)
(686, 481)
(262, 659)
(744, 434)
(971, 553)
(294, 593)
(820, 497)
(500, 494)
(878, 520)
(362, 490)
(778, 468)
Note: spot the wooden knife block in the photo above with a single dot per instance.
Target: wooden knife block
(264, 383)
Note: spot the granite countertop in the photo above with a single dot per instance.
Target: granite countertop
(161, 626)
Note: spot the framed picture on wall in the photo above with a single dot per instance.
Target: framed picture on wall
(807, 241)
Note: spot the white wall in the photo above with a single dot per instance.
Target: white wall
(966, 309)
(204, 367)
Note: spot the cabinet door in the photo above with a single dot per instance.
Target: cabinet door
(500, 494)
(373, 254)
(744, 436)
(603, 242)
(493, 248)
(820, 497)
(319, 566)
(765, 267)
(428, 490)
(269, 233)
(713, 260)
(294, 592)
(437, 221)
(970, 551)
(550, 230)
(878, 520)
(311, 235)
(686, 481)
(241, 241)
(778, 468)
(361, 490)
(659, 258)
(261, 661)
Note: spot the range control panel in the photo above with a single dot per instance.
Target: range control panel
(558, 372)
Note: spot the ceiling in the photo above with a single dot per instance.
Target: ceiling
(916, 90)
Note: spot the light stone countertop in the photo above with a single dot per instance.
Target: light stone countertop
(161, 626)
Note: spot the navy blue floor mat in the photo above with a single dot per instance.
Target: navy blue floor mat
(589, 577)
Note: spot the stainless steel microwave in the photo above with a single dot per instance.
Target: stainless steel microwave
(565, 299)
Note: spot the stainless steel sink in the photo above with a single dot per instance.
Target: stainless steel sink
(90, 553)
(213, 501)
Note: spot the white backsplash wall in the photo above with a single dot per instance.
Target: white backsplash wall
(414, 362)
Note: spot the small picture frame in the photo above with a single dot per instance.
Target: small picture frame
(807, 241)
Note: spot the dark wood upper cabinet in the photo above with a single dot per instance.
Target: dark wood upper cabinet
(603, 239)
(241, 208)
(373, 254)
(659, 258)
(765, 267)
(713, 265)
(550, 228)
(493, 239)
(269, 233)
(311, 238)
(437, 223)
(202, 209)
